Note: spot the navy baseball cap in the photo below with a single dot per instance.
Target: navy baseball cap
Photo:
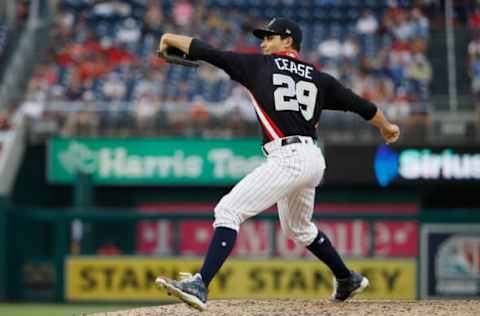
(283, 27)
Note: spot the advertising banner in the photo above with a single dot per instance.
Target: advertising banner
(131, 279)
(450, 261)
(396, 238)
(350, 238)
(406, 166)
(156, 238)
(3, 251)
(259, 239)
(153, 161)
(224, 162)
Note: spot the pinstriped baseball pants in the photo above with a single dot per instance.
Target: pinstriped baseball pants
(288, 177)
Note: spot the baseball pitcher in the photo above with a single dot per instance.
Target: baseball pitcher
(288, 96)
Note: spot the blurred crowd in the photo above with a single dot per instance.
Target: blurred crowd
(102, 71)
(7, 29)
(383, 59)
(474, 52)
(3, 37)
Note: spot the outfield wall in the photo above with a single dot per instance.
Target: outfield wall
(3, 252)
(59, 276)
(144, 218)
(97, 279)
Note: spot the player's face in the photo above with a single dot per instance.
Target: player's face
(272, 44)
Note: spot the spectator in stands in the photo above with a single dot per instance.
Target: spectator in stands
(150, 82)
(200, 117)
(4, 37)
(153, 19)
(474, 47)
(420, 24)
(474, 19)
(331, 67)
(110, 9)
(393, 13)
(211, 75)
(364, 85)
(474, 64)
(330, 48)
(75, 89)
(145, 112)
(240, 101)
(56, 93)
(384, 92)
(91, 66)
(43, 77)
(399, 107)
(474, 72)
(23, 8)
(398, 60)
(128, 32)
(84, 122)
(4, 122)
(419, 73)
(403, 27)
(367, 24)
(350, 48)
(182, 12)
(114, 87)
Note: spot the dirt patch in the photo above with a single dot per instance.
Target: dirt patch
(312, 307)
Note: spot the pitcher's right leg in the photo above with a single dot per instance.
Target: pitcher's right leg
(256, 192)
(259, 190)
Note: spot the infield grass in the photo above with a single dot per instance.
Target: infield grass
(19, 309)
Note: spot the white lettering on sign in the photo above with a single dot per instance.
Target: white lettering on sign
(423, 164)
(227, 164)
(118, 163)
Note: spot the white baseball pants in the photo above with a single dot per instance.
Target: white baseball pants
(288, 177)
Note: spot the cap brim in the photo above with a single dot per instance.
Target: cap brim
(261, 33)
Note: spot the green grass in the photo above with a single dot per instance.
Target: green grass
(58, 309)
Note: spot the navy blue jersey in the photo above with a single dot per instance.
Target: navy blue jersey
(288, 94)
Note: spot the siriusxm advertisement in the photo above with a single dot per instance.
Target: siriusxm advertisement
(410, 164)
(388, 166)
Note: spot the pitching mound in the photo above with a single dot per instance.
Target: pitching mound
(312, 307)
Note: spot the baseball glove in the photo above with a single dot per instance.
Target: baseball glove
(173, 55)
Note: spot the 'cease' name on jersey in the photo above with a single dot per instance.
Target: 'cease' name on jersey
(292, 67)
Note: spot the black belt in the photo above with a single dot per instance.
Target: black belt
(287, 141)
(291, 140)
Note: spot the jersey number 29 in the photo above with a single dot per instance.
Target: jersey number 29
(291, 96)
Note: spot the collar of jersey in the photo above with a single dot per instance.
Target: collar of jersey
(288, 53)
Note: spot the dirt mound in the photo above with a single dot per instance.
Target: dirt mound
(312, 307)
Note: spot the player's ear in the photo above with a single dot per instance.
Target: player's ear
(288, 42)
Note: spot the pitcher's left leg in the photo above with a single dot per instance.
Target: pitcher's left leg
(295, 211)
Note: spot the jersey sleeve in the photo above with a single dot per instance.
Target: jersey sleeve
(340, 98)
(238, 66)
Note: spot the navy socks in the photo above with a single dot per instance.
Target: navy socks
(323, 250)
(220, 247)
(223, 241)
